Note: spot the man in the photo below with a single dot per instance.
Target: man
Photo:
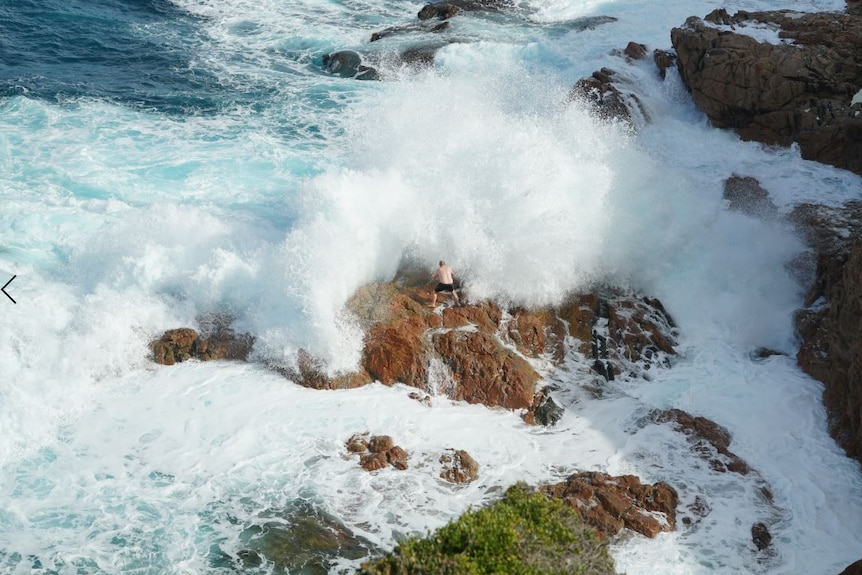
(445, 277)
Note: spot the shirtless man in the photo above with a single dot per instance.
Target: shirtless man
(445, 277)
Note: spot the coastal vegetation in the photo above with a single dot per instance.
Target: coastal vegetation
(524, 533)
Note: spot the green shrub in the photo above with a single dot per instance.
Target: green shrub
(525, 533)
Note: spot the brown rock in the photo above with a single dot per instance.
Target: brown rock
(377, 452)
(485, 371)
(831, 332)
(397, 457)
(663, 60)
(760, 535)
(780, 93)
(610, 503)
(635, 51)
(373, 461)
(174, 346)
(745, 194)
(441, 10)
(217, 342)
(853, 569)
(459, 466)
(380, 444)
(709, 439)
(601, 93)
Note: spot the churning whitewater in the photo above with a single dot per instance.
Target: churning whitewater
(161, 159)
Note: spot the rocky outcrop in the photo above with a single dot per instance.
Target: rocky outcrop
(745, 194)
(481, 353)
(458, 467)
(377, 452)
(478, 353)
(611, 503)
(216, 341)
(602, 93)
(831, 323)
(348, 64)
(708, 439)
(803, 88)
(760, 536)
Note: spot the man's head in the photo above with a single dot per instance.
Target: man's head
(442, 263)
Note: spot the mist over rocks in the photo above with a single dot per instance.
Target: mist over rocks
(830, 324)
(217, 340)
(802, 88)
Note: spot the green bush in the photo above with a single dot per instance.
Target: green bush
(525, 533)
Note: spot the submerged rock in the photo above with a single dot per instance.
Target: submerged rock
(301, 539)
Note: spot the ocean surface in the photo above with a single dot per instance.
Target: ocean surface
(162, 159)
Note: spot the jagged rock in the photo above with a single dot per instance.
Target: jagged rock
(779, 93)
(635, 51)
(440, 10)
(348, 64)
(376, 451)
(544, 410)
(219, 341)
(831, 324)
(663, 60)
(760, 535)
(478, 353)
(408, 29)
(606, 99)
(458, 466)
(745, 194)
(610, 503)
(709, 439)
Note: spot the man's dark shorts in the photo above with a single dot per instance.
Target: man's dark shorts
(445, 287)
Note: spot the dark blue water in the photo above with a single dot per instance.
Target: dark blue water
(138, 53)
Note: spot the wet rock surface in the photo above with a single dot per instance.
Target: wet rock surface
(800, 88)
(830, 325)
(611, 503)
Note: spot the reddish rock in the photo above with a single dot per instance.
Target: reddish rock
(377, 452)
(174, 346)
(373, 461)
(709, 439)
(458, 466)
(397, 457)
(220, 342)
(610, 503)
(484, 370)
